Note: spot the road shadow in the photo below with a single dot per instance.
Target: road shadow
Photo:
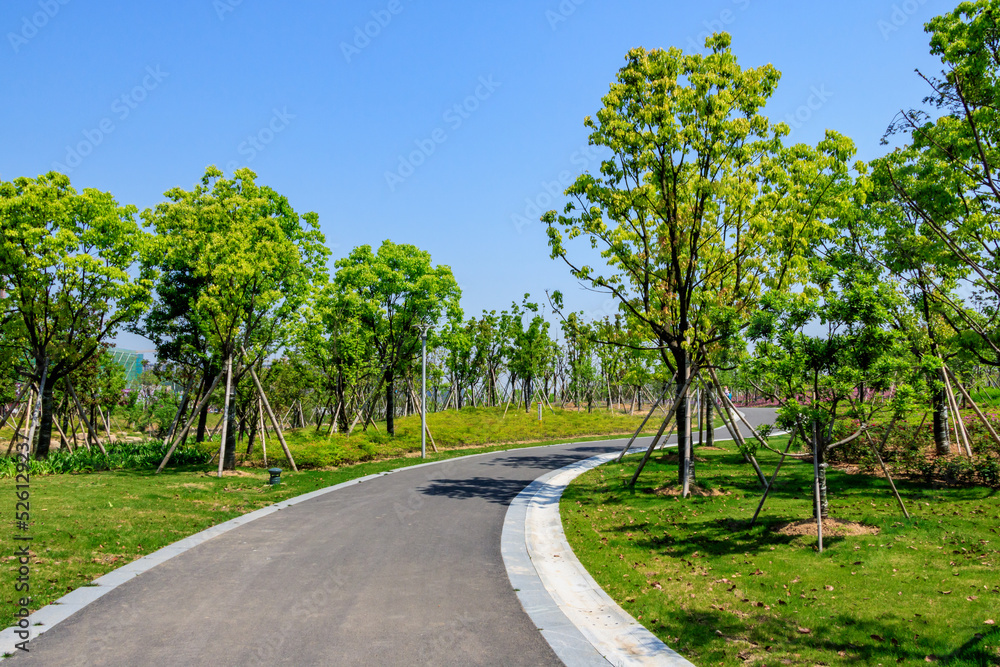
(499, 491)
(549, 461)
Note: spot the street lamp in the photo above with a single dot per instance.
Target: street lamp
(424, 327)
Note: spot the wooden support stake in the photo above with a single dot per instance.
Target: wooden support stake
(730, 408)
(91, 432)
(13, 408)
(953, 404)
(20, 423)
(180, 410)
(417, 403)
(770, 484)
(270, 413)
(882, 463)
(643, 424)
(263, 429)
(979, 413)
(104, 420)
(225, 412)
(677, 403)
(187, 427)
(55, 423)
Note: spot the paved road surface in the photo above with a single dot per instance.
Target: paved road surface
(401, 569)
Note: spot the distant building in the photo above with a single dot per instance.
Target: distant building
(132, 362)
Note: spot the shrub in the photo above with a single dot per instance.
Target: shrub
(121, 456)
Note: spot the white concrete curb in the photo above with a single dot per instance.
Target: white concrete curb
(582, 624)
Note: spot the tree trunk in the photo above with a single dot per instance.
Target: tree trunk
(942, 439)
(228, 453)
(229, 463)
(45, 423)
(390, 405)
(824, 503)
(202, 423)
(683, 418)
(254, 420)
(709, 424)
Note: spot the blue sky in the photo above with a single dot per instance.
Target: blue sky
(446, 125)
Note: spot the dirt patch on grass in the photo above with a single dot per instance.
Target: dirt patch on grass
(672, 458)
(831, 527)
(694, 490)
(232, 473)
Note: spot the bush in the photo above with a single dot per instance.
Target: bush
(121, 456)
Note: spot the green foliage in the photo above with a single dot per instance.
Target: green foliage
(249, 258)
(389, 293)
(699, 206)
(121, 456)
(67, 260)
(859, 361)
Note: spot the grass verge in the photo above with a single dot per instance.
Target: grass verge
(722, 593)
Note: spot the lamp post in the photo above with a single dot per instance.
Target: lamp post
(423, 327)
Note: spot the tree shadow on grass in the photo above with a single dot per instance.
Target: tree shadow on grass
(757, 634)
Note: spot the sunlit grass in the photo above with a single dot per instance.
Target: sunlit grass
(720, 592)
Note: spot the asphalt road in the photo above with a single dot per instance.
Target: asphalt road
(401, 569)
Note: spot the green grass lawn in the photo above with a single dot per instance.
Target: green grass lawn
(720, 592)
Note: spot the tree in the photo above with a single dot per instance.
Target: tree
(389, 292)
(698, 207)
(69, 262)
(940, 193)
(338, 345)
(579, 342)
(531, 353)
(251, 261)
(831, 387)
(492, 340)
(173, 325)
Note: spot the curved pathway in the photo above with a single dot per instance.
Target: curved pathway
(402, 568)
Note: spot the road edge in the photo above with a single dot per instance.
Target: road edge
(581, 623)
